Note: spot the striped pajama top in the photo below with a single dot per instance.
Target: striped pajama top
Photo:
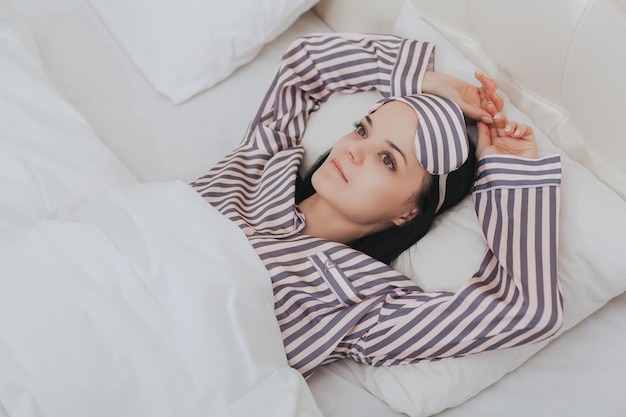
(333, 302)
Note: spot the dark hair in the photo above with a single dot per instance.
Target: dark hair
(387, 244)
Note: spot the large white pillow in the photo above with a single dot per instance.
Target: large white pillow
(591, 262)
(184, 47)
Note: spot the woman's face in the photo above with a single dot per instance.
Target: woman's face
(371, 176)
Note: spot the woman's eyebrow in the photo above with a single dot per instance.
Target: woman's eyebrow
(396, 148)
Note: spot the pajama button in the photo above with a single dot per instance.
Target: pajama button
(248, 231)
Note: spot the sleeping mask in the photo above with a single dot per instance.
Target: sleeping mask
(441, 139)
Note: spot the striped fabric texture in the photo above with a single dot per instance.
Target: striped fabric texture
(441, 138)
(333, 302)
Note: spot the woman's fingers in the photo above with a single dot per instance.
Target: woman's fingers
(489, 106)
(484, 139)
(489, 92)
(500, 121)
(505, 137)
(494, 98)
(520, 130)
(485, 80)
(473, 111)
(497, 100)
(505, 127)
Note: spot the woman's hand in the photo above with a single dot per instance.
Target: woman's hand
(504, 137)
(478, 103)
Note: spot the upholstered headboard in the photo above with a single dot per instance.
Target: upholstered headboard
(559, 61)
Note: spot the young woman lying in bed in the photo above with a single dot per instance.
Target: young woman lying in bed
(327, 240)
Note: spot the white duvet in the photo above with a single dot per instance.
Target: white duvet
(119, 298)
(143, 301)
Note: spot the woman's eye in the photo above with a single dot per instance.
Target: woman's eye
(388, 161)
(360, 129)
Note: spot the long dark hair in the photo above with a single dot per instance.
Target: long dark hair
(387, 244)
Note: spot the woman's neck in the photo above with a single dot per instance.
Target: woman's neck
(324, 222)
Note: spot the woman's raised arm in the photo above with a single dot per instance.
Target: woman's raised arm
(317, 66)
(478, 103)
(514, 298)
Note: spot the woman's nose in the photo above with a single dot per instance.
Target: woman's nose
(356, 152)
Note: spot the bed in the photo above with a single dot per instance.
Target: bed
(123, 293)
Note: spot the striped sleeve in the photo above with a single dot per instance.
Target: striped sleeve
(316, 66)
(514, 298)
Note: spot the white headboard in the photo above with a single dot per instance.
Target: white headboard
(562, 62)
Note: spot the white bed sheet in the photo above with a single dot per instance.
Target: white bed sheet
(579, 374)
(159, 142)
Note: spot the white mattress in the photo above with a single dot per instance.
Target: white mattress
(159, 141)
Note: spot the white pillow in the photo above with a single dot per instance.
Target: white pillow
(591, 262)
(184, 47)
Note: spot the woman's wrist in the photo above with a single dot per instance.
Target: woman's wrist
(428, 82)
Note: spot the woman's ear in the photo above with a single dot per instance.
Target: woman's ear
(405, 218)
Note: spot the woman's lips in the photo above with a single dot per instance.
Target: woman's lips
(337, 165)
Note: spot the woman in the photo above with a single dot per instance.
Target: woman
(394, 169)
